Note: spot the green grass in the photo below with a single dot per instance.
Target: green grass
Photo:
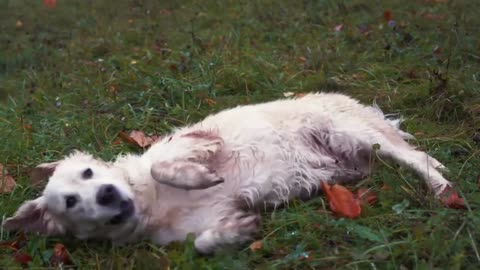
(80, 72)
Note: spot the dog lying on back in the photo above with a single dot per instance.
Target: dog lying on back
(206, 178)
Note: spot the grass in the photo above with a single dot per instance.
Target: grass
(74, 75)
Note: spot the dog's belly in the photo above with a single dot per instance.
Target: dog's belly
(288, 164)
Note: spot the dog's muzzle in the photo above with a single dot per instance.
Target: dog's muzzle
(109, 196)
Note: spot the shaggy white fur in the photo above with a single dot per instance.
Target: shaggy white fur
(206, 178)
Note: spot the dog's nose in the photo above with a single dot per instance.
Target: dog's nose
(108, 195)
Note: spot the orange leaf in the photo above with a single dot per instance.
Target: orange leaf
(342, 201)
(387, 14)
(22, 258)
(210, 101)
(255, 246)
(385, 187)
(16, 244)
(7, 183)
(366, 196)
(435, 17)
(60, 256)
(50, 3)
(451, 199)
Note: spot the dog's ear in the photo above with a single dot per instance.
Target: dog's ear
(43, 171)
(33, 216)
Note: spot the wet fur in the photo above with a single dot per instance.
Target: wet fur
(206, 178)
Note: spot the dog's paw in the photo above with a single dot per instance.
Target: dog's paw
(242, 223)
(203, 145)
(231, 230)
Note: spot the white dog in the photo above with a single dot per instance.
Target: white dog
(206, 178)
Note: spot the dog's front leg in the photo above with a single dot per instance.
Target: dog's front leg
(184, 174)
(234, 229)
(182, 159)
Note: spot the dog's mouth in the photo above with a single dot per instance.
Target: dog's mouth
(127, 209)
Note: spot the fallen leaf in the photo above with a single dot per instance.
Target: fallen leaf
(302, 59)
(365, 196)
(342, 201)
(138, 138)
(113, 90)
(256, 246)
(210, 101)
(22, 258)
(60, 256)
(118, 141)
(7, 183)
(165, 12)
(338, 28)
(16, 244)
(435, 17)
(50, 3)
(450, 199)
(387, 14)
(173, 68)
(385, 187)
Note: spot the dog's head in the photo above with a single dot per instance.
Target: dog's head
(84, 196)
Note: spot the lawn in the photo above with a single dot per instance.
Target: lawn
(75, 74)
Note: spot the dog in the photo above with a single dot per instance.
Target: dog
(207, 178)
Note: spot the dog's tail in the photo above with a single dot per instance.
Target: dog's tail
(394, 119)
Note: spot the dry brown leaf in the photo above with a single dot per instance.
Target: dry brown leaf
(15, 246)
(210, 101)
(50, 3)
(435, 17)
(302, 59)
(256, 246)
(342, 201)
(7, 183)
(60, 256)
(387, 14)
(165, 11)
(22, 258)
(137, 138)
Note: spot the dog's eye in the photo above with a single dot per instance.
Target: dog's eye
(70, 201)
(87, 174)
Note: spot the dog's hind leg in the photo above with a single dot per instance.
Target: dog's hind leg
(419, 161)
